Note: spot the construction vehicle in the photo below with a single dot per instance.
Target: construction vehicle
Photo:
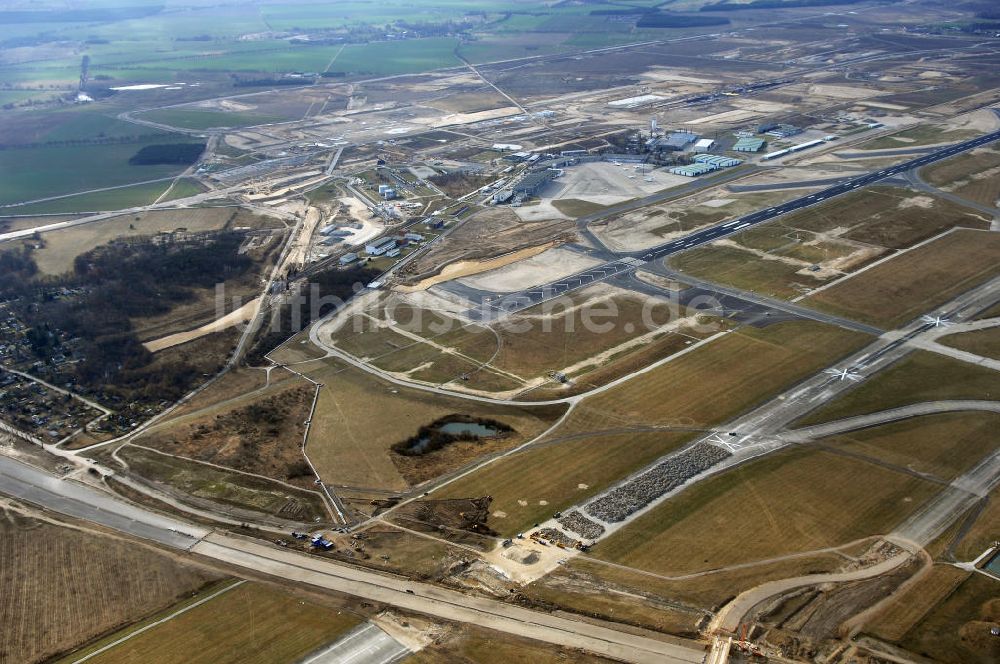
(745, 645)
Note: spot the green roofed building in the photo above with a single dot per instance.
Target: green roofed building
(749, 144)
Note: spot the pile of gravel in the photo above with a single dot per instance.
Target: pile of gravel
(619, 503)
(581, 525)
(556, 537)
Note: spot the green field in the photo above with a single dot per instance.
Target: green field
(99, 201)
(40, 172)
(191, 118)
(400, 57)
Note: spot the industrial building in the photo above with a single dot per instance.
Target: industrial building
(386, 192)
(532, 183)
(807, 145)
(347, 259)
(379, 247)
(517, 157)
(703, 145)
(749, 144)
(692, 170)
(717, 160)
(624, 157)
(783, 131)
(502, 196)
(677, 140)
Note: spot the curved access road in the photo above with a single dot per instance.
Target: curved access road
(729, 617)
(886, 416)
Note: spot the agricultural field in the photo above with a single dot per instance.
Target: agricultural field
(67, 124)
(60, 586)
(905, 286)
(921, 376)
(250, 622)
(119, 198)
(358, 417)
(792, 501)
(54, 170)
(194, 118)
(400, 57)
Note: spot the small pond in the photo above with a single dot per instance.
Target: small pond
(468, 428)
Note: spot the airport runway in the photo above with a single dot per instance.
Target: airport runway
(502, 305)
(366, 644)
(765, 429)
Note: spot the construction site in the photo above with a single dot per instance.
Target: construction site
(539, 338)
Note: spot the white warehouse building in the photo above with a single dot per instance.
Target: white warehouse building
(379, 247)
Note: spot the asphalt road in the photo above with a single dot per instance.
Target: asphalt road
(78, 500)
(447, 604)
(506, 304)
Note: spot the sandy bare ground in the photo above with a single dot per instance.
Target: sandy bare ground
(842, 91)
(539, 269)
(370, 228)
(984, 120)
(885, 105)
(300, 248)
(670, 74)
(762, 106)
(241, 315)
(726, 116)
(469, 118)
(469, 268)
(649, 226)
(542, 211)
